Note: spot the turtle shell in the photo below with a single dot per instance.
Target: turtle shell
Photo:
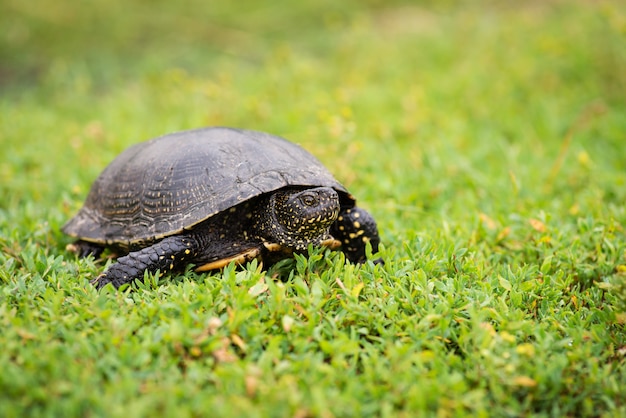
(171, 183)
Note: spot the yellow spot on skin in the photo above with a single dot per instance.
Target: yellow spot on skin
(171, 266)
(356, 223)
(357, 214)
(340, 218)
(341, 228)
(187, 251)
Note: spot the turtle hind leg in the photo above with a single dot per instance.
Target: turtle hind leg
(85, 248)
(171, 253)
(355, 227)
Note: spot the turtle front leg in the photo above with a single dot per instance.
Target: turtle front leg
(166, 255)
(355, 227)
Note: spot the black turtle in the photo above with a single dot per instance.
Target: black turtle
(212, 196)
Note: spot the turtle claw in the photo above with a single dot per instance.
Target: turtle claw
(97, 282)
(84, 249)
(103, 279)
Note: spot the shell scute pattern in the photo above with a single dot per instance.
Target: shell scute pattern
(171, 183)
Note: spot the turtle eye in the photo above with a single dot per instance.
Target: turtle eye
(309, 199)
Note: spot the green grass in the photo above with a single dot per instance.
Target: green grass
(487, 138)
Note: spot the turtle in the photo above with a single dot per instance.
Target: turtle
(213, 196)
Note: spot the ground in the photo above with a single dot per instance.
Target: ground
(487, 138)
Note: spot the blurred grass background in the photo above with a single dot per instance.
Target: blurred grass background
(492, 80)
(487, 137)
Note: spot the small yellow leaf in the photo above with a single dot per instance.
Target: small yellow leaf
(503, 234)
(195, 352)
(545, 239)
(538, 225)
(357, 289)
(525, 349)
(487, 221)
(236, 339)
(507, 337)
(524, 381)
(584, 159)
(25, 335)
(427, 355)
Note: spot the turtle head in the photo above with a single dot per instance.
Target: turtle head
(296, 218)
